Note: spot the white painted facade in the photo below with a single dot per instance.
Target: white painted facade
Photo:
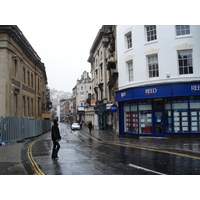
(166, 46)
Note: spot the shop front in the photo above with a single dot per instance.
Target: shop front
(160, 110)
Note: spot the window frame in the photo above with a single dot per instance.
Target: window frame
(128, 37)
(151, 34)
(186, 69)
(183, 30)
(129, 65)
(154, 71)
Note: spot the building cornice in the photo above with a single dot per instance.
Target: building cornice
(15, 33)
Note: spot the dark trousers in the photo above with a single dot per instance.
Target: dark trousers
(56, 147)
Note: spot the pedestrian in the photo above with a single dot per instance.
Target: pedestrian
(55, 136)
(90, 126)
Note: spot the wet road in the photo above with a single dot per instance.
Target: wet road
(81, 154)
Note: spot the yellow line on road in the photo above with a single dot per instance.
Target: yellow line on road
(34, 165)
(143, 148)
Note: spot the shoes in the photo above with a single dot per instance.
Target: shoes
(56, 158)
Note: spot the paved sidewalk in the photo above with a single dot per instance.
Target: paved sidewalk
(181, 144)
(10, 159)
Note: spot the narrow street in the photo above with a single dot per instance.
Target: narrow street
(82, 154)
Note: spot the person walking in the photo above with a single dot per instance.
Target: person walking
(55, 136)
(90, 126)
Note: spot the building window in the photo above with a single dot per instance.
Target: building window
(31, 107)
(151, 33)
(185, 62)
(15, 68)
(15, 104)
(32, 80)
(182, 30)
(130, 71)
(38, 84)
(28, 104)
(128, 40)
(153, 66)
(28, 77)
(24, 75)
(24, 106)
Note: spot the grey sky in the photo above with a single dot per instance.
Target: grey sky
(64, 49)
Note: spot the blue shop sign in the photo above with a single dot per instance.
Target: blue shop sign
(152, 92)
(124, 95)
(169, 90)
(190, 89)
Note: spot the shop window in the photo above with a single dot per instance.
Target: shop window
(145, 118)
(168, 116)
(195, 114)
(180, 115)
(130, 118)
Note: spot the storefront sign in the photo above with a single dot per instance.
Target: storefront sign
(123, 94)
(195, 88)
(151, 91)
(160, 91)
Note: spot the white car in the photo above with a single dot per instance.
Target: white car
(75, 126)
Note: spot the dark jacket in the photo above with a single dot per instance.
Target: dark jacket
(90, 125)
(55, 133)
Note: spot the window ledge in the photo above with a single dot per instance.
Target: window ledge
(183, 36)
(151, 42)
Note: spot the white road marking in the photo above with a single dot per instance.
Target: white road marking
(145, 169)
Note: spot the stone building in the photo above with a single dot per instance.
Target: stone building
(83, 92)
(23, 77)
(104, 74)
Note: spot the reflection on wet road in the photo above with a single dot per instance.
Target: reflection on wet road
(81, 155)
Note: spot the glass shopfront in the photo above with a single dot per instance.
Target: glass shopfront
(159, 116)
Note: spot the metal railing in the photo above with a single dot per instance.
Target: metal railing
(18, 128)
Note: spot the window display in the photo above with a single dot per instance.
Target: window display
(145, 116)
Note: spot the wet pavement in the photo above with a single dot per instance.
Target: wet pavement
(103, 153)
(10, 159)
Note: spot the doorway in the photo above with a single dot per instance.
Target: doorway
(158, 114)
(158, 123)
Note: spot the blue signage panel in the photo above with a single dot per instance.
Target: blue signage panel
(190, 89)
(169, 90)
(113, 108)
(152, 92)
(124, 95)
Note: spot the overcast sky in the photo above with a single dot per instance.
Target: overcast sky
(62, 32)
(64, 49)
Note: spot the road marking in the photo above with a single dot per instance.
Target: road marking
(145, 169)
(34, 165)
(143, 148)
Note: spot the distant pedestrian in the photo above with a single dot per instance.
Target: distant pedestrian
(55, 136)
(90, 126)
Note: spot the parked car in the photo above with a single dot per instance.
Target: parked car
(75, 126)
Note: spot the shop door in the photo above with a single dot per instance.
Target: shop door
(159, 123)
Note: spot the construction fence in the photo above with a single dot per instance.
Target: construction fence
(18, 128)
